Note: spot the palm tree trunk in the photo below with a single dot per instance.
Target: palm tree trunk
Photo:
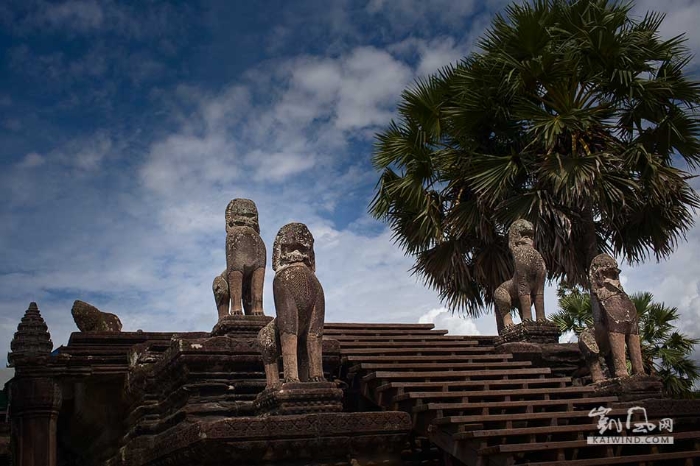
(590, 240)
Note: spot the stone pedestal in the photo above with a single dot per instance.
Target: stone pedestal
(240, 326)
(530, 331)
(300, 398)
(35, 403)
(564, 359)
(632, 388)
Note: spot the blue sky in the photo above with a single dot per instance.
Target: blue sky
(126, 127)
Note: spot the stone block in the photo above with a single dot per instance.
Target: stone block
(530, 331)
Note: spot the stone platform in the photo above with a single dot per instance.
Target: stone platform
(240, 325)
(530, 331)
(323, 438)
(300, 397)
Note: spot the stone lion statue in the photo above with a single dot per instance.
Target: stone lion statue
(615, 322)
(296, 333)
(527, 284)
(242, 281)
(90, 319)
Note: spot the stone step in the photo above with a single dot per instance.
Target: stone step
(564, 402)
(343, 338)
(496, 374)
(439, 387)
(454, 350)
(652, 458)
(446, 366)
(380, 331)
(565, 445)
(385, 326)
(489, 393)
(523, 431)
(551, 415)
(416, 345)
(430, 358)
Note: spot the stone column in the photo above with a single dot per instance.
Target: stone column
(34, 407)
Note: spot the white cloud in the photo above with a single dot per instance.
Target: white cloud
(80, 15)
(181, 163)
(404, 14)
(676, 281)
(568, 337)
(85, 17)
(315, 104)
(444, 319)
(278, 166)
(5, 375)
(145, 241)
(432, 54)
(89, 155)
(372, 81)
(32, 160)
(437, 54)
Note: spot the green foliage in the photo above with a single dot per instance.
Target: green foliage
(574, 312)
(571, 114)
(665, 351)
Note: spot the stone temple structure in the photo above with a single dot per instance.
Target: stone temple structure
(301, 391)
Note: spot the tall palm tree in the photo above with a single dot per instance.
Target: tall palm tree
(573, 115)
(665, 351)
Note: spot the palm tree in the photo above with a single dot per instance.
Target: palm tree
(665, 351)
(575, 313)
(573, 115)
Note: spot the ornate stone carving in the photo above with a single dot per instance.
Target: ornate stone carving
(542, 332)
(36, 394)
(300, 398)
(32, 338)
(297, 332)
(527, 285)
(90, 319)
(242, 281)
(615, 320)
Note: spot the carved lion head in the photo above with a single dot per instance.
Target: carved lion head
(242, 213)
(293, 244)
(521, 233)
(604, 273)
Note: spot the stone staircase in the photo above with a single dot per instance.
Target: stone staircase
(472, 405)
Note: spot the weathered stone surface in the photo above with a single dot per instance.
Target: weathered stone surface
(222, 297)
(527, 285)
(300, 398)
(323, 438)
(90, 319)
(241, 326)
(34, 407)
(591, 353)
(296, 334)
(530, 331)
(190, 400)
(631, 388)
(615, 320)
(241, 284)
